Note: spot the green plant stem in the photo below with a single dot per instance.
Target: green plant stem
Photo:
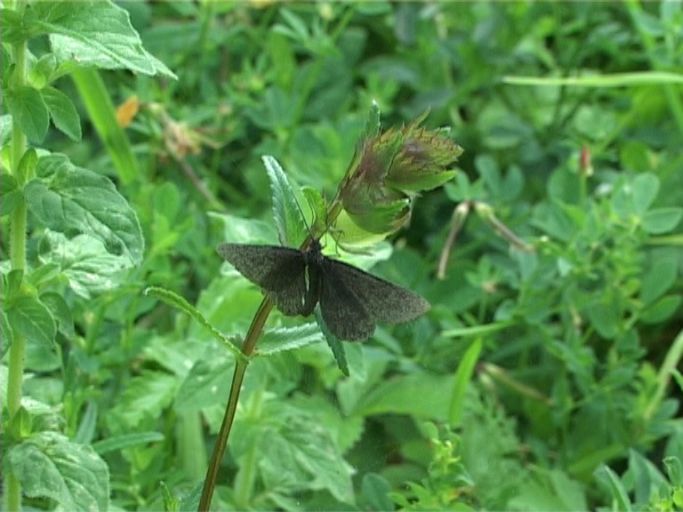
(248, 346)
(671, 362)
(17, 250)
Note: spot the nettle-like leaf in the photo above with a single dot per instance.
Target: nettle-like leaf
(48, 465)
(63, 112)
(29, 110)
(85, 262)
(294, 451)
(93, 33)
(290, 224)
(72, 200)
(29, 317)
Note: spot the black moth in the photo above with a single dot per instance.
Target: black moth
(351, 300)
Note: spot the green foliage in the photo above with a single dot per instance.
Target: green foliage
(546, 375)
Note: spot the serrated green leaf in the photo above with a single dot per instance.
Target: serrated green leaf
(30, 318)
(294, 451)
(73, 200)
(95, 34)
(117, 443)
(289, 338)
(143, 398)
(661, 220)
(85, 262)
(60, 312)
(48, 465)
(10, 195)
(178, 302)
(207, 383)
(27, 107)
(334, 343)
(288, 219)
(63, 112)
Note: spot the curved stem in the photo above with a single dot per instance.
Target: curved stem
(238, 377)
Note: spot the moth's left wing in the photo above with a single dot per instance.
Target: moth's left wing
(278, 270)
(385, 301)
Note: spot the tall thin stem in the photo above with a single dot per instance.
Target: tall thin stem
(17, 251)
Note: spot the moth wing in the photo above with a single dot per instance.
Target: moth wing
(385, 301)
(281, 271)
(342, 311)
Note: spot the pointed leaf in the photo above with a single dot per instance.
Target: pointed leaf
(73, 200)
(63, 112)
(48, 465)
(29, 110)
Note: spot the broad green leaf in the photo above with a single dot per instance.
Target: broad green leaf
(661, 309)
(636, 195)
(10, 195)
(85, 262)
(143, 398)
(288, 219)
(604, 315)
(118, 443)
(207, 383)
(294, 451)
(63, 112)
(289, 338)
(95, 34)
(60, 312)
(48, 465)
(376, 491)
(29, 317)
(610, 479)
(28, 108)
(551, 490)
(659, 278)
(73, 200)
(661, 220)
(418, 394)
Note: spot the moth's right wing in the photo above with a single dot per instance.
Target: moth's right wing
(343, 312)
(280, 271)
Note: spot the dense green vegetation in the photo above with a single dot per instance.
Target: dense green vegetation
(546, 375)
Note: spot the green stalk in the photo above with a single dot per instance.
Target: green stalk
(671, 362)
(103, 116)
(18, 262)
